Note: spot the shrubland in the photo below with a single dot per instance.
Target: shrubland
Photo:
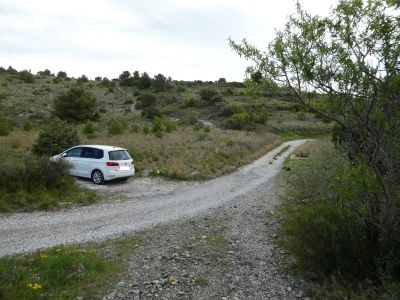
(344, 68)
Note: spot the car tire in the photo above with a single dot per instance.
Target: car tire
(97, 177)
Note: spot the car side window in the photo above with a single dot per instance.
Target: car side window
(92, 153)
(74, 152)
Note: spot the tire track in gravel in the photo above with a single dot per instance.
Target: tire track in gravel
(27, 232)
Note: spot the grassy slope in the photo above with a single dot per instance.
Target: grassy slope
(186, 153)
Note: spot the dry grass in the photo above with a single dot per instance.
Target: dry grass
(189, 154)
(305, 149)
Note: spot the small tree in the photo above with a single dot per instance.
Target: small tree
(125, 78)
(76, 105)
(56, 137)
(82, 79)
(144, 81)
(62, 74)
(26, 76)
(159, 83)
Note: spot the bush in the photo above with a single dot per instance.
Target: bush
(151, 112)
(62, 74)
(26, 76)
(90, 130)
(5, 126)
(210, 95)
(56, 137)
(82, 79)
(27, 125)
(37, 182)
(239, 121)
(117, 126)
(145, 100)
(159, 83)
(328, 227)
(76, 105)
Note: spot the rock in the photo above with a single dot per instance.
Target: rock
(289, 289)
(231, 252)
(156, 281)
(173, 280)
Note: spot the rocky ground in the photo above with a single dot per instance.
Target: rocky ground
(228, 252)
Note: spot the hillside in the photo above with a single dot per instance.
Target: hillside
(193, 130)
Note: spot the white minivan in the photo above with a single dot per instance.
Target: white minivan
(98, 162)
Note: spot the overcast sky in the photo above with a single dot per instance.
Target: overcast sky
(184, 39)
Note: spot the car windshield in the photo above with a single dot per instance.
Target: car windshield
(119, 155)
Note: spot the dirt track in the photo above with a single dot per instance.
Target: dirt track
(146, 202)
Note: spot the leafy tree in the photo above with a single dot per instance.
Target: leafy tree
(351, 59)
(144, 81)
(11, 70)
(159, 83)
(125, 78)
(221, 80)
(56, 137)
(82, 79)
(76, 105)
(26, 76)
(45, 72)
(256, 76)
(62, 74)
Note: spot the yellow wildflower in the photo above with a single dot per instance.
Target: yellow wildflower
(44, 256)
(58, 250)
(37, 286)
(29, 285)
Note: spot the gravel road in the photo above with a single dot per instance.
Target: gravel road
(146, 202)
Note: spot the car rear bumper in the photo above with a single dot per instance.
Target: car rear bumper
(114, 174)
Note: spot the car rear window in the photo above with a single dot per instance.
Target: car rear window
(119, 155)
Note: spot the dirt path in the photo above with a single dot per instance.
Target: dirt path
(146, 204)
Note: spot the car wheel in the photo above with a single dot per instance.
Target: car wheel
(97, 177)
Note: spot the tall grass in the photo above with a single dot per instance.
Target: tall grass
(189, 154)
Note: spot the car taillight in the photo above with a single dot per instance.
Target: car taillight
(112, 164)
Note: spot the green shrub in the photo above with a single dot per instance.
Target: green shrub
(62, 74)
(90, 130)
(145, 100)
(239, 121)
(261, 117)
(151, 112)
(117, 126)
(210, 95)
(327, 227)
(82, 79)
(26, 76)
(146, 129)
(37, 182)
(76, 105)
(27, 125)
(56, 137)
(157, 127)
(5, 126)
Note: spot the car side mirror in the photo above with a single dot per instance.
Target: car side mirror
(65, 154)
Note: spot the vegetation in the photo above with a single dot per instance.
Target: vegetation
(76, 105)
(37, 183)
(345, 68)
(56, 137)
(326, 227)
(64, 272)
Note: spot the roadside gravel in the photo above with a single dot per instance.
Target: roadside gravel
(227, 252)
(145, 203)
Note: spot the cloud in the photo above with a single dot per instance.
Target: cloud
(179, 38)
